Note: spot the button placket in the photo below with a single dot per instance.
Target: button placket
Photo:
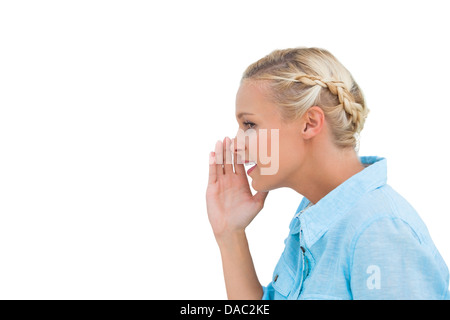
(300, 276)
(300, 272)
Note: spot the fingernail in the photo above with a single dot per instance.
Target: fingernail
(212, 158)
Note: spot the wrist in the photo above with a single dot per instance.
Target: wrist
(230, 237)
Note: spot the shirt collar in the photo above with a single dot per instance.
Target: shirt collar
(316, 220)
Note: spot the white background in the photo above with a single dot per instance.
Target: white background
(110, 108)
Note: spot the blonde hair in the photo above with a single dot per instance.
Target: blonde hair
(300, 78)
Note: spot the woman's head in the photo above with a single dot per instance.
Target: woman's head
(311, 98)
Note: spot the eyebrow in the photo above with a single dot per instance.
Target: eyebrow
(243, 113)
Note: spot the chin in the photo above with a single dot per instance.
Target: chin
(262, 187)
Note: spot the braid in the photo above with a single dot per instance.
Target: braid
(346, 101)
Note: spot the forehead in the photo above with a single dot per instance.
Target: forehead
(252, 97)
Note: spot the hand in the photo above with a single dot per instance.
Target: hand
(229, 201)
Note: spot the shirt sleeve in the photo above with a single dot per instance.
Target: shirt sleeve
(268, 293)
(390, 262)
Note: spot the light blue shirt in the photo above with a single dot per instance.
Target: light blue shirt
(361, 241)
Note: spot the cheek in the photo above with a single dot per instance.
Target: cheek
(268, 145)
(289, 152)
(253, 146)
(269, 153)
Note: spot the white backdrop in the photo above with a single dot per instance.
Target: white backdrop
(109, 109)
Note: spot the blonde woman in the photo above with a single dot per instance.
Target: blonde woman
(352, 236)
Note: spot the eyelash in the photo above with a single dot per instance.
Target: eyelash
(251, 124)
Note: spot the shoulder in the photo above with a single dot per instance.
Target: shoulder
(381, 219)
(385, 212)
(391, 251)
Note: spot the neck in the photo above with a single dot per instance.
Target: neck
(323, 171)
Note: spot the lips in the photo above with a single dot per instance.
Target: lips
(251, 169)
(250, 163)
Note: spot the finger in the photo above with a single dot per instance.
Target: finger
(228, 167)
(238, 164)
(219, 158)
(212, 168)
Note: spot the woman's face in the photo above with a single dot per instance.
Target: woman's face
(255, 111)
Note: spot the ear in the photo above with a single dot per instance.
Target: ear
(313, 122)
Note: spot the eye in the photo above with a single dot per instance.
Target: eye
(249, 125)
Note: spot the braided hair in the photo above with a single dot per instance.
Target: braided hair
(300, 78)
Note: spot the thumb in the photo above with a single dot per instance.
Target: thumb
(260, 197)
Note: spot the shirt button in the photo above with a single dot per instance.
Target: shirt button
(275, 279)
(303, 249)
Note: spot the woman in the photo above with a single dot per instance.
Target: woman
(353, 236)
